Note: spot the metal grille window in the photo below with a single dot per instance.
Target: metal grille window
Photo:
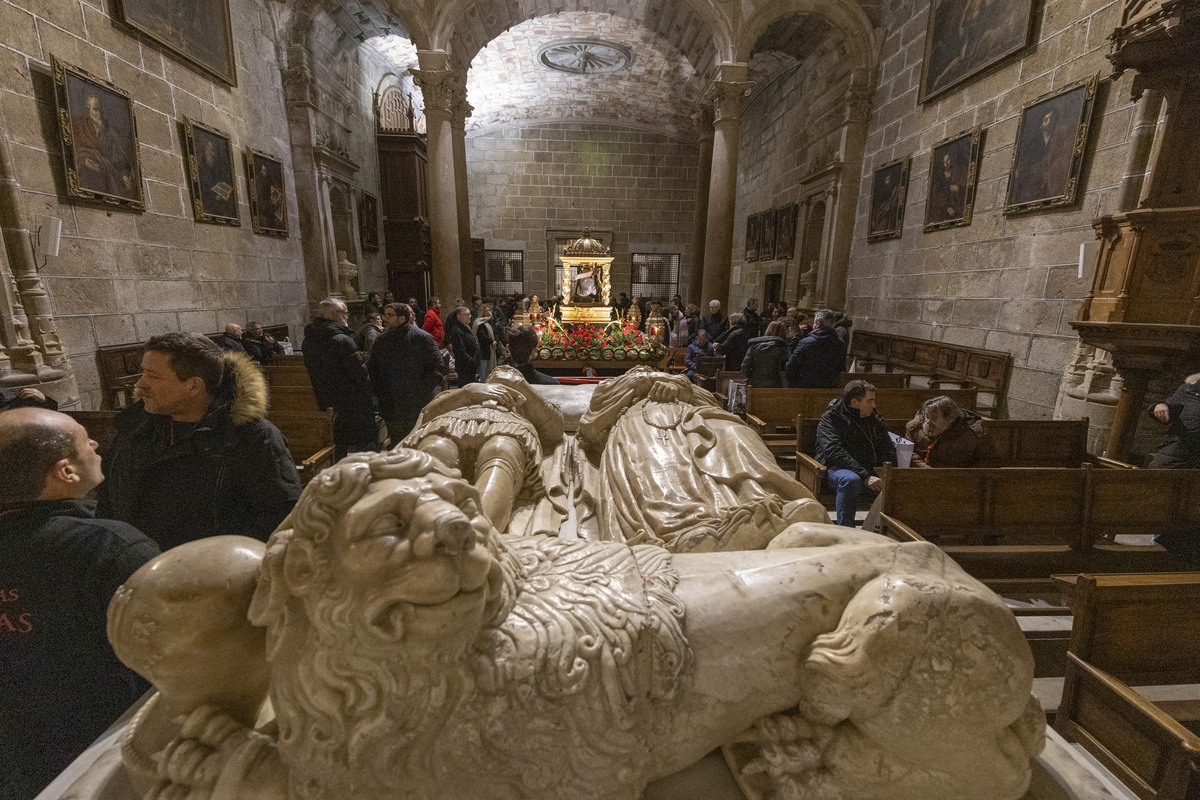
(561, 243)
(503, 273)
(655, 276)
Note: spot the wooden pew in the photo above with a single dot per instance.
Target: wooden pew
(1011, 443)
(948, 364)
(120, 366)
(1135, 630)
(1031, 523)
(293, 409)
(880, 380)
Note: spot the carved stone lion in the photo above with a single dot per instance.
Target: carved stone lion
(417, 654)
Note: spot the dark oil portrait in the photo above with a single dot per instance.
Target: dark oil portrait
(368, 221)
(199, 31)
(268, 197)
(209, 155)
(889, 190)
(766, 236)
(98, 133)
(785, 231)
(953, 172)
(1051, 140)
(753, 226)
(965, 37)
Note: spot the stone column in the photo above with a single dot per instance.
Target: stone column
(458, 123)
(731, 89)
(840, 206)
(703, 121)
(442, 89)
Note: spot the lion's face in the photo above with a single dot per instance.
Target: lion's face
(410, 560)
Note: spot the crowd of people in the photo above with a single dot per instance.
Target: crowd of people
(196, 457)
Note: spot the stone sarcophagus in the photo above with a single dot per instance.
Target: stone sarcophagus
(497, 609)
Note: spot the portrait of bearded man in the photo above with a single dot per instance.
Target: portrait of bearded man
(103, 159)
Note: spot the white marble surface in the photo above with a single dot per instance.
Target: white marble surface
(572, 399)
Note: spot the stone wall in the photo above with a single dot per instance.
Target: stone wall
(790, 128)
(527, 179)
(1005, 282)
(123, 276)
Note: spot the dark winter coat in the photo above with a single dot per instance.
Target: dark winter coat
(11, 398)
(766, 358)
(336, 369)
(960, 445)
(1181, 447)
(230, 343)
(694, 352)
(264, 349)
(715, 325)
(466, 353)
(61, 686)
(846, 440)
(230, 473)
(535, 378)
(818, 361)
(734, 343)
(406, 369)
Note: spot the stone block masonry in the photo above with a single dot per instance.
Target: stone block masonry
(525, 180)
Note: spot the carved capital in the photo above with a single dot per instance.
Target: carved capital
(443, 90)
(729, 97)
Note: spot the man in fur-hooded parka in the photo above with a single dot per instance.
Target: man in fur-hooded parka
(196, 456)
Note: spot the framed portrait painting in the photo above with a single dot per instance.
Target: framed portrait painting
(268, 196)
(889, 189)
(1051, 140)
(966, 37)
(368, 222)
(198, 31)
(753, 226)
(98, 134)
(953, 174)
(785, 231)
(766, 236)
(209, 156)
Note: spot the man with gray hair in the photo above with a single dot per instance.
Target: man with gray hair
(339, 379)
(231, 340)
(820, 358)
(945, 435)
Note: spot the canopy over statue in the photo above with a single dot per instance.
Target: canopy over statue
(411, 649)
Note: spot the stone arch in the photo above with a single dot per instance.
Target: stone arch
(463, 27)
(862, 40)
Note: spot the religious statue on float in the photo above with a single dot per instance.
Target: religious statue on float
(586, 285)
(400, 639)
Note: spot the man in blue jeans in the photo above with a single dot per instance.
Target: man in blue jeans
(852, 442)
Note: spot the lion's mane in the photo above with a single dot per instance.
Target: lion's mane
(580, 640)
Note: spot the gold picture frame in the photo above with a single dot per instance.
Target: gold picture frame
(208, 155)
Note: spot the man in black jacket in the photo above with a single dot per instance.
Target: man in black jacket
(714, 321)
(406, 369)
(820, 358)
(852, 442)
(25, 397)
(61, 686)
(196, 456)
(260, 346)
(465, 347)
(340, 380)
(231, 339)
(1180, 449)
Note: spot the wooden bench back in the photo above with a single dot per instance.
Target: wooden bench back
(1076, 507)
(1035, 443)
(1135, 630)
(880, 380)
(293, 400)
(986, 369)
(120, 366)
(286, 375)
(780, 407)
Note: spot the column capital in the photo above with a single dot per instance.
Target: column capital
(729, 97)
(442, 90)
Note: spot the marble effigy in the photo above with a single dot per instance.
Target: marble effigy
(406, 648)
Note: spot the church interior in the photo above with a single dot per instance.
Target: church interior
(1000, 199)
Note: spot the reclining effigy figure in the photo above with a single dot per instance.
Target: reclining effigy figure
(415, 653)
(677, 470)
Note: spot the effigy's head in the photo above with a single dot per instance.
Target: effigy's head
(385, 550)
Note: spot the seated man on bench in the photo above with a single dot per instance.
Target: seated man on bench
(852, 442)
(944, 435)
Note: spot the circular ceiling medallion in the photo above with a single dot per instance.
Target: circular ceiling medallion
(584, 56)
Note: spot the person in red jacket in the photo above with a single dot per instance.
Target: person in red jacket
(433, 322)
